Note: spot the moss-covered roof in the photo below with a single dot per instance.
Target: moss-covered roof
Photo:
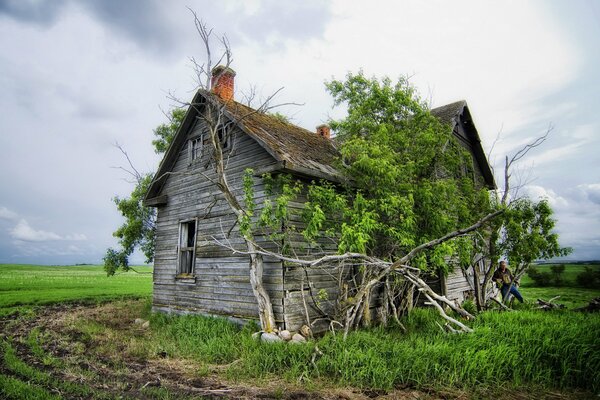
(448, 112)
(299, 149)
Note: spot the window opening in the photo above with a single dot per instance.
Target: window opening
(224, 136)
(195, 149)
(187, 247)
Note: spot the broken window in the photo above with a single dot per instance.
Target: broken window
(224, 133)
(195, 149)
(187, 247)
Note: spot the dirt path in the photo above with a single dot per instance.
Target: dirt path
(77, 366)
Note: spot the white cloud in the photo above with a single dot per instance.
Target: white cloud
(577, 214)
(5, 213)
(567, 144)
(539, 193)
(76, 237)
(24, 232)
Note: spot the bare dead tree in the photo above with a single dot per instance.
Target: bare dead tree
(212, 112)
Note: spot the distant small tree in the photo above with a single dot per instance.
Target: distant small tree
(589, 278)
(557, 271)
(139, 227)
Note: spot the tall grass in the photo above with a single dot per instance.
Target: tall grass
(525, 348)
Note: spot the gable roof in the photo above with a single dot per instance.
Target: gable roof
(294, 149)
(300, 151)
(448, 112)
(457, 114)
(297, 149)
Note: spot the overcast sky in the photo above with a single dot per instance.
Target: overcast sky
(78, 76)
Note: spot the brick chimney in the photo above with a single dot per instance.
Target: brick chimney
(324, 131)
(222, 82)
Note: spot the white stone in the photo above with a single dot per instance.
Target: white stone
(138, 321)
(298, 338)
(285, 335)
(270, 337)
(257, 335)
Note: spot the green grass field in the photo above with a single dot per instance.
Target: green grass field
(33, 285)
(570, 295)
(569, 276)
(520, 353)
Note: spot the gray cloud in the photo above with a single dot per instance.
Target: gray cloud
(592, 192)
(143, 21)
(164, 28)
(38, 12)
(294, 20)
(6, 214)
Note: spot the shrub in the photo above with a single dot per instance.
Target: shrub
(589, 278)
(540, 278)
(557, 271)
(544, 278)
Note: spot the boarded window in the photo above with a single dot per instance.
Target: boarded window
(187, 247)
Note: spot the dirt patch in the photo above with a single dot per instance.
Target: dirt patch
(105, 365)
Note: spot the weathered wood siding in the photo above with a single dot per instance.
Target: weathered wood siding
(457, 286)
(460, 284)
(308, 289)
(221, 285)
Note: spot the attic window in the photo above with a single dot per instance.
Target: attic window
(195, 149)
(224, 135)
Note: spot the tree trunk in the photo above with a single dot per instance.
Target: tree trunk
(265, 308)
(263, 300)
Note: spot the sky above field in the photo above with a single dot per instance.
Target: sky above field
(76, 77)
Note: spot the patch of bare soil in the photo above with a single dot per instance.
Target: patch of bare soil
(104, 364)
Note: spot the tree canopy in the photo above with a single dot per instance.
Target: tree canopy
(410, 181)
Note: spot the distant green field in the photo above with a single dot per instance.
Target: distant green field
(30, 285)
(569, 276)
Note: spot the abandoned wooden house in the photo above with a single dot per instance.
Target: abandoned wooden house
(192, 271)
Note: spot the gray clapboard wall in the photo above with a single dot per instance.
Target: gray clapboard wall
(220, 284)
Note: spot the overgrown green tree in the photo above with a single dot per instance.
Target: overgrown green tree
(410, 181)
(139, 227)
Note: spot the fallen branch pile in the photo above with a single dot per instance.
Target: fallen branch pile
(593, 306)
(549, 305)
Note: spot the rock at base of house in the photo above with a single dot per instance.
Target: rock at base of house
(144, 324)
(281, 336)
(305, 331)
(285, 335)
(270, 337)
(298, 338)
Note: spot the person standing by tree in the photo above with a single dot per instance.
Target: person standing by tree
(504, 279)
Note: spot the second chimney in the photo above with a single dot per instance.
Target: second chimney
(324, 131)
(222, 82)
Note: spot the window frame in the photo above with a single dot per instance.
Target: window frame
(185, 224)
(195, 148)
